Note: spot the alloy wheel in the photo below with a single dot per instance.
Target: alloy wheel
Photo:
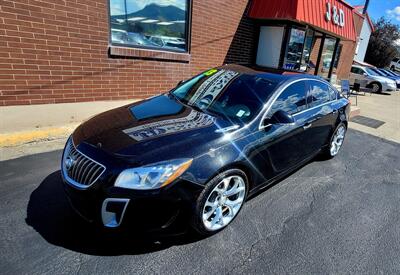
(375, 88)
(337, 140)
(223, 203)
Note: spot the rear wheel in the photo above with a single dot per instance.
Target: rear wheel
(336, 141)
(220, 202)
(376, 87)
(392, 68)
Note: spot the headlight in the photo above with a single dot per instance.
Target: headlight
(152, 176)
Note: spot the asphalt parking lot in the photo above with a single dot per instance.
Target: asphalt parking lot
(338, 216)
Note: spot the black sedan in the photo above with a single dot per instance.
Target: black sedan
(196, 153)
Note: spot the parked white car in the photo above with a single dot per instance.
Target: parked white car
(395, 65)
(374, 81)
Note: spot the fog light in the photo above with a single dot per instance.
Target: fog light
(112, 211)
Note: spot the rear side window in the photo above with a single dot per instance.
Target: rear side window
(356, 70)
(291, 100)
(319, 93)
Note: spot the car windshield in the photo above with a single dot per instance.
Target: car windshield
(378, 72)
(372, 72)
(227, 93)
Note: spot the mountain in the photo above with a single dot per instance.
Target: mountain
(162, 13)
(156, 12)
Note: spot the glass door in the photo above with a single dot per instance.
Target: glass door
(326, 56)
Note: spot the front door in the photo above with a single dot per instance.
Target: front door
(283, 145)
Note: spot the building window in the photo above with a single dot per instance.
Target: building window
(308, 44)
(150, 24)
(337, 58)
(294, 49)
(327, 56)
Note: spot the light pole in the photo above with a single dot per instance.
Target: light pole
(365, 6)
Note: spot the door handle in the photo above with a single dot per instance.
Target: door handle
(307, 125)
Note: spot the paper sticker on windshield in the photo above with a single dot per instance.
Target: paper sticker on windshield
(240, 113)
(210, 72)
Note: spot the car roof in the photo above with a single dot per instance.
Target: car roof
(270, 76)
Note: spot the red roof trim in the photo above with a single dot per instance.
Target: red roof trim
(311, 12)
(359, 9)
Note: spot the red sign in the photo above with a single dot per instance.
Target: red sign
(332, 16)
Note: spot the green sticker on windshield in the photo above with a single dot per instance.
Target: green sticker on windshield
(210, 72)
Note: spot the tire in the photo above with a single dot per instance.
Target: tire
(328, 153)
(393, 68)
(376, 87)
(204, 216)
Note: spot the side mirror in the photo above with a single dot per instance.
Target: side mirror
(279, 117)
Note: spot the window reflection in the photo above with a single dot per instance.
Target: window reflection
(294, 49)
(308, 43)
(319, 93)
(150, 23)
(326, 57)
(291, 100)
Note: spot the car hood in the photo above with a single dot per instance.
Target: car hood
(152, 130)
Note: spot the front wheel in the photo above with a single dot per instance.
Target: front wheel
(336, 141)
(220, 202)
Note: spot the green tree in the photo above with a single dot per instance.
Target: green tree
(381, 49)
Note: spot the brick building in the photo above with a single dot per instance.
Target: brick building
(54, 51)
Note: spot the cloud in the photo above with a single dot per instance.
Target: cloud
(394, 13)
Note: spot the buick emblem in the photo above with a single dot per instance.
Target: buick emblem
(69, 162)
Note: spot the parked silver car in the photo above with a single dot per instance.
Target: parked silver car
(374, 81)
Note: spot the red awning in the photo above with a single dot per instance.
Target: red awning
(312, 12)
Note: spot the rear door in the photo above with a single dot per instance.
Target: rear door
(320, 117)
(356, 73)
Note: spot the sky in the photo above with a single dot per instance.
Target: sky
(390, 9)
(118, 6)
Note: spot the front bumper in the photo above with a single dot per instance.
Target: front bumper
(141, 210)
(389, 87)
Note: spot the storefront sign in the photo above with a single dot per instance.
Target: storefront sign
(335, 15)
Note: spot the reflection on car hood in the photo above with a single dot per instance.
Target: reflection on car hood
(152, 129)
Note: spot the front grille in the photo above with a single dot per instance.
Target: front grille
(78, 169)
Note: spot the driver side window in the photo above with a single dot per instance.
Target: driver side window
(292, 100)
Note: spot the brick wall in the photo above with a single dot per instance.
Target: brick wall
(54, 51)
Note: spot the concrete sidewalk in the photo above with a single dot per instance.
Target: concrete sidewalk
(24, 124)
(384, 107)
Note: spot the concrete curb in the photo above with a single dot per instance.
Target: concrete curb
(44, 134)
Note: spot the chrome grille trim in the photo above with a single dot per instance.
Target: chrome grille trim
(85, 170)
